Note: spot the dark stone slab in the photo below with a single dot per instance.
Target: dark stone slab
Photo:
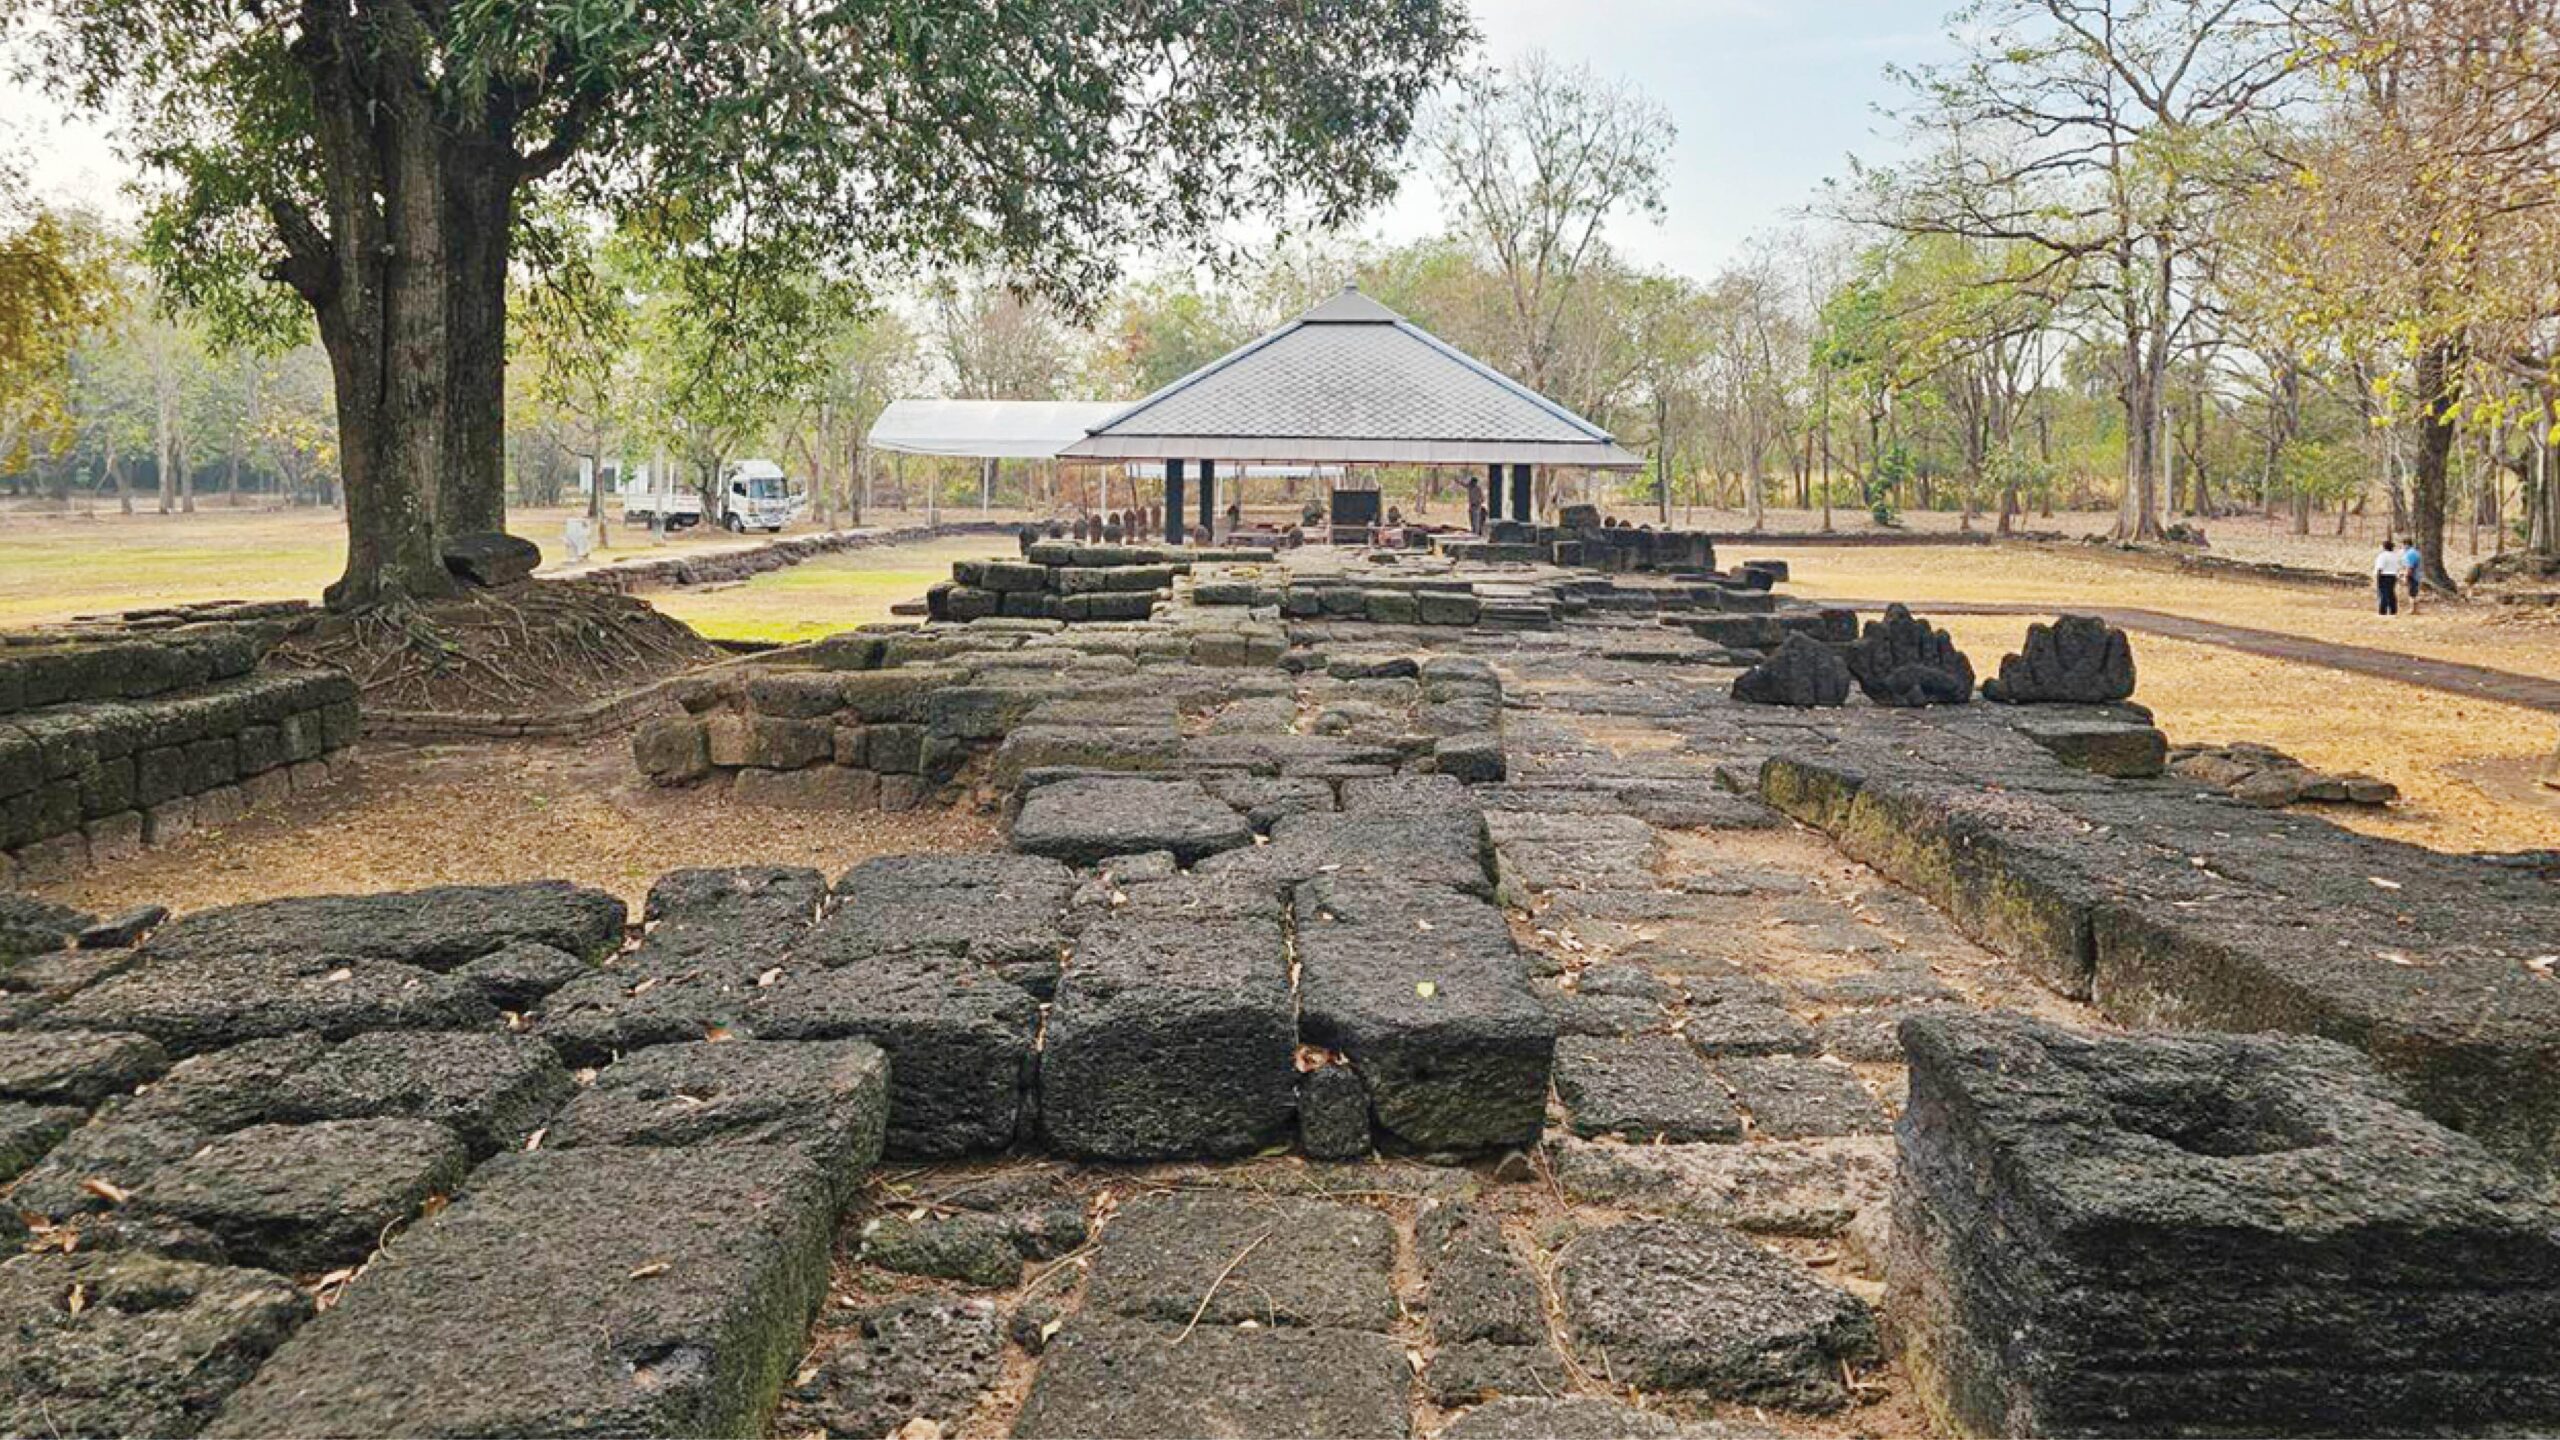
(829, 1098)
(29, 926)
(925, 1358)
(199, 1002)
(1085, 821)
(1476, 1288)
(1783, 1187)
(1333, 1114)
(76, 1068)
(1803, 673)
(307, 1198)
(971, 1248)
(2078, 660)
(1127, 1378)
(649, 1000)
(1663, 1305)
(1169, 1038)
(1644, 1087)
(692, 1273)
(518, 977)
(155, 1346)
(2207, 1233)
(1793, 1097)
(1286, 1262)
(1576, 1013)
(1001, 912)
(958, 1041)
(436, 929)
(2122, 749)
(131, 1139)
(491, 558)
(1264, 799)
(122, 929)
(27, 1132)
(1425, 992)
(1473, 1370)
(491, 1089)
(1746, 1027)
(734, 914)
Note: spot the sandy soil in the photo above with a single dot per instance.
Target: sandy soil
(488, 812)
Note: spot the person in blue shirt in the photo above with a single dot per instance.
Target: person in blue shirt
(2410, 566)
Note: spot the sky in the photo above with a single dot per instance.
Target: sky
(1769, 97)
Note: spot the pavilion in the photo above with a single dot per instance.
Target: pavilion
(1349, 383)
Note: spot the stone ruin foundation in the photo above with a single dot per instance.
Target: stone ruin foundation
(1373, 1025)
(119, 735)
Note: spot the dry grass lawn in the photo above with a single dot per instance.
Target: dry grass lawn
(2036, 574)
(2464, 767)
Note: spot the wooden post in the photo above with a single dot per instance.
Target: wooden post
(1523, 502)
(1492, 493)
(1209, 497)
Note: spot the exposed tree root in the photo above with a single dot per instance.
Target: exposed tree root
(534, 647)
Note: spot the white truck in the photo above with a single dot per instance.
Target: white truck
(753, 495)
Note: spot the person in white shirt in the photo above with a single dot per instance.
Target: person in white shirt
(2388, 567)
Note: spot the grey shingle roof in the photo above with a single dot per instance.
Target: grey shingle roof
(1351, 380)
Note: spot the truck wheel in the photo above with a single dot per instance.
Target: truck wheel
(735, 525)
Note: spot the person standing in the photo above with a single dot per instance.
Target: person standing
(2414, 570)
(2387, 569)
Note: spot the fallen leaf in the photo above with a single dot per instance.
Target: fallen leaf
(717, 1034)
(1426, 988)
(339, 974)
(1423, 925)
(78, 1299)
(765, 980)
(107, 1190)
(651, 1270)
(2378, 883)
(533, 1141)
(644, 987)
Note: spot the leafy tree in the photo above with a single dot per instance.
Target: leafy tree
(367, 163)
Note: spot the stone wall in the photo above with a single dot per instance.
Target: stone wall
(2168, 904)
(1070, 580)
(112, 739)
(729, 566)
(904, 716)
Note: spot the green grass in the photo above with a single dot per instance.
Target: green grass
(825, 596)
(55, 567)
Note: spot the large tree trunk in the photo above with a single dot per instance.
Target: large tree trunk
(2439, 395)
(479, 182)
(406, 272)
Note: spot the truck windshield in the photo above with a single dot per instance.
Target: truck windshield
(767, 487)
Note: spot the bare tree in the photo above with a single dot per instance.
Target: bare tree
(1537, 161)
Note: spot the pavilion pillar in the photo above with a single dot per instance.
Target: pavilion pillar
(1523, 503)
(1173, 502)
(1209, 497)
(1492, 493)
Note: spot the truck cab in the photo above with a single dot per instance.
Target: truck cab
(756, 495)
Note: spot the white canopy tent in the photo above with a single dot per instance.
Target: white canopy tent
(988, 429)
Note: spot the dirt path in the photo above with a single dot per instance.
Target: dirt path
(2475, 681)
